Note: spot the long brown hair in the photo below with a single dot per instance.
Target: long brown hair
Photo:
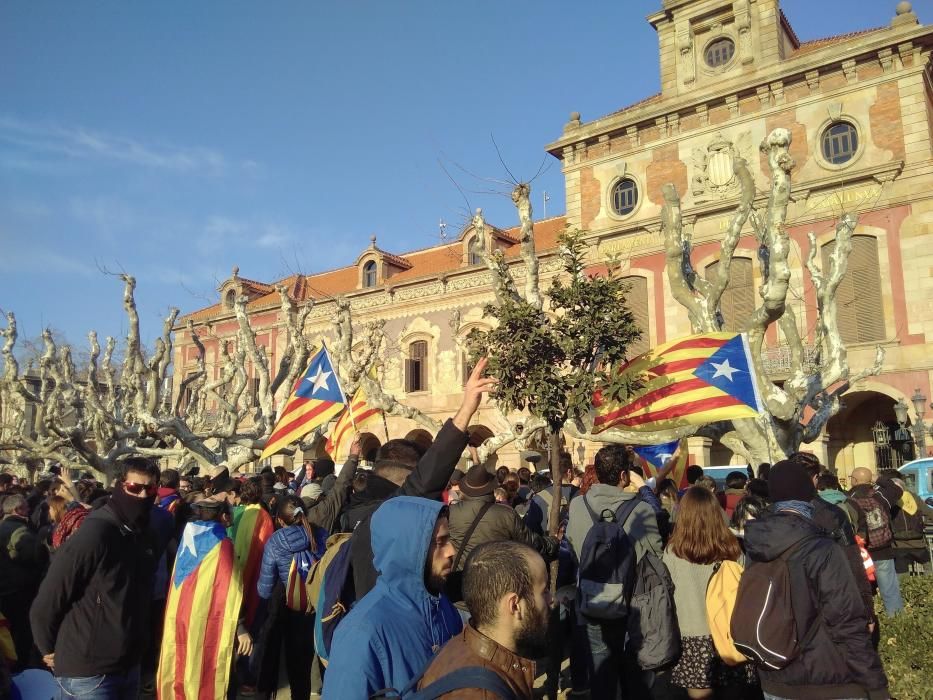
(700, 533)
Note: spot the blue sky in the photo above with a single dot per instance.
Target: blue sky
(177, 139)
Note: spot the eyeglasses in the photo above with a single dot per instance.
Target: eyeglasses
(138, 489)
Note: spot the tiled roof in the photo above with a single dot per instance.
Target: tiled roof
(425, 263)
(817, 44)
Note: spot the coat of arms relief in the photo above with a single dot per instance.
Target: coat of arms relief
(713, 167)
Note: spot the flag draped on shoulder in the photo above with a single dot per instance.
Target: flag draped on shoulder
(253, 529)
(358, 413)
(656, 456)
(695, 380)
(201, 614)
(315, 399)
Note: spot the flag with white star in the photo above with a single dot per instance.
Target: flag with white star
(695, 380)
(316, 398)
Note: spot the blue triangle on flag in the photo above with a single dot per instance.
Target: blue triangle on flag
(656, 455)
(320, 381)
(728, 370)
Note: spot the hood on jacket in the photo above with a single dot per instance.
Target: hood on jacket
(401, 536)
(768, 537)
(606, 497)
(833, 496)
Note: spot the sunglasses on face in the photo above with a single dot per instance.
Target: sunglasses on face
(139, 489)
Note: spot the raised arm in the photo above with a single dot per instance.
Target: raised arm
(325, 513)
(435, 468)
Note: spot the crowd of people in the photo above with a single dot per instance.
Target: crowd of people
(414, 579)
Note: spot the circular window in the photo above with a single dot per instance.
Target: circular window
(840, 143)
(624, 197)
(720, 52)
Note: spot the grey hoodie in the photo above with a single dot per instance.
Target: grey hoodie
(641, 527)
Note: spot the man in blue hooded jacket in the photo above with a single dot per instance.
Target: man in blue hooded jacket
(391, 633)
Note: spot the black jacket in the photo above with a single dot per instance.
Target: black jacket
(835, 521)
(838, 661)
(427, 480)
(92, 609)
(23, 557)
(887, 493)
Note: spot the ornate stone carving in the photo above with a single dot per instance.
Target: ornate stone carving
(632, 133)
(732, 102)
(886, 58)
(743, 22)
(764, 96)
(703, 112)
(813, 80)
(713, 167)
(662, 126)
(848, 69)
(777, 91)
(686, 52)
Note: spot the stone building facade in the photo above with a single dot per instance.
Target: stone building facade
(860, 110)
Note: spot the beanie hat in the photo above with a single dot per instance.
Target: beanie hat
(790, 481)
(478, 482)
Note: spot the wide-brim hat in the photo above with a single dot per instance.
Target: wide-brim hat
(478, 482)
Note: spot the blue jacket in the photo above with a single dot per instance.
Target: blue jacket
(278, 553)
(392, 632)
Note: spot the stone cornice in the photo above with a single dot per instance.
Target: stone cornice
(794, 68)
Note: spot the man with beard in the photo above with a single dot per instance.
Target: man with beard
(388, 637)
(506, 589)
(91, 616)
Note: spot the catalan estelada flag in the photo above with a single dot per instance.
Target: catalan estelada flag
(201, 614)
(315, 399)
(251, 531)
(358, 413)
(656, 456)
(296, 587)
(696, 380)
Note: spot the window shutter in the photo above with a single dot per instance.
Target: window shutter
(859, 306)
(738, 300)
(408, 375)
(636, 299)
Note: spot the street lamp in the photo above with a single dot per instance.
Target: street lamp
(902, 439)
(581, 453)
(920, 438)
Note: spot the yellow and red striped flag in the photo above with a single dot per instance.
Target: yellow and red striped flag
(200, 616)
(315, 399)
(251, 531)
(695, 380)
(358, 414)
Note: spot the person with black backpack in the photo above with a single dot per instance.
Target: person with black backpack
(607, 519)
(873, 503)
(798, 611)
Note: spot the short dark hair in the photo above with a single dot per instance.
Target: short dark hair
(6, 479)
(749, 507)
(169, 479)
(694, 472)
(736, 480)
(610, 462)
(810, 462)
(539, 482)
(267, 479)
(402, 452)
(501, 473)
(827, 480)
(251, 491)
(141, 465)
(492, 570)
(566, 463)
(758, 487)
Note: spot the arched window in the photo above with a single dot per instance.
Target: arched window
(416, 367)
(625, 196)
(720, 52)
(738, 301)
(369, 274)
(859, 308)
(475, 257)
(636, 298)
(230, 298)
(840, 143)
